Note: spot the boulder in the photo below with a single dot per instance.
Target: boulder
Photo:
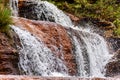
(113, 67)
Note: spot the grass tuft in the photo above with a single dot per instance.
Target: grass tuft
(5, 18)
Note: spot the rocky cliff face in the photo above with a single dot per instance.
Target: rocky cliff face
(8, 54)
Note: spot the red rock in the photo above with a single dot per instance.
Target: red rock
(8, 55)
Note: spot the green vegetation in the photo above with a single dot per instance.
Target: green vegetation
(117, 23)
(103, 9)
(5, 19)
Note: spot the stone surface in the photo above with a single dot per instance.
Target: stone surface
(11, 77)
(114, 42)
(113, 67)
(54, 36)
(8, 54)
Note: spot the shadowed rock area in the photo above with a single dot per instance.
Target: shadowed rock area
(8, 54)
(113, 67)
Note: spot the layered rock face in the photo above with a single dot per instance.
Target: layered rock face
(8, 54)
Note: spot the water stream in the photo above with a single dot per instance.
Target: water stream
(14, 7)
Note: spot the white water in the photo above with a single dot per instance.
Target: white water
(90, 49)
(79, 58)
(96, 48)
(96, 52)
(51, 11)
(36, 58)
(91, 54)
(14, 7)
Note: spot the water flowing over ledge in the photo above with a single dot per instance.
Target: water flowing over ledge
(90, 49)
(74, 51)
(36, 58)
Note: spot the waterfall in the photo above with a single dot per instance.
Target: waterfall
(36, 58)
(91, 53)
(90, 49)
(52, 12)
(43, 10)
(14, 7)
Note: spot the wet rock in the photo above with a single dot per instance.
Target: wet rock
(43, 10)
(29, 9)
(114, 42)
(74, 19)
(8, 54)
(113, 67)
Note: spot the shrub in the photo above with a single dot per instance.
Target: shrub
(117, 23)
(5, 19)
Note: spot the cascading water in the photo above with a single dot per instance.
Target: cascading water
(43, 10)
(90, 49)
(52, 12)
(36, 58)
(91, 53)
(14, 7)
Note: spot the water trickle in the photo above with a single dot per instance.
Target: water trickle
(14, 7)
(36, 58)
